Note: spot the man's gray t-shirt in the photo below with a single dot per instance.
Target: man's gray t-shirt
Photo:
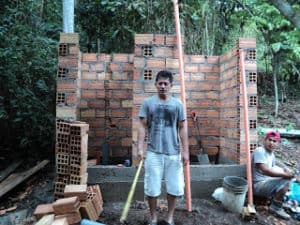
(261, 155)
(162, 121)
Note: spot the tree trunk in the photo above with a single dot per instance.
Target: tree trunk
(276, 69)
(288, 12)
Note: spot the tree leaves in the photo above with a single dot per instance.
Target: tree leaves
(28, 55)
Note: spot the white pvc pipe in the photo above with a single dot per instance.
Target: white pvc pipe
(68, 16)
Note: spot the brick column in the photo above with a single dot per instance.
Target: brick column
(68, 77)
(249, 46)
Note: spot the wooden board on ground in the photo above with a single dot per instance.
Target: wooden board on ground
(9, 169)
(16, 178)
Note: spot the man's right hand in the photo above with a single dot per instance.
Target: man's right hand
(141, 154)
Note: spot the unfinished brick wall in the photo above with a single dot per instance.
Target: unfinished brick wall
(106, 102)
(111, 88)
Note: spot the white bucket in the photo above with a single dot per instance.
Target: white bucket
(234, 193)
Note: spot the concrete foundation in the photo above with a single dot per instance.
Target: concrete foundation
(115, 182)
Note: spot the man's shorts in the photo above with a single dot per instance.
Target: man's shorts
(159, 166)
(269, 187)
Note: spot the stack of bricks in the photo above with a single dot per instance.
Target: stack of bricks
(79, 201)
(91, 203)
(67, 208)
(68, 77)
(71, 155)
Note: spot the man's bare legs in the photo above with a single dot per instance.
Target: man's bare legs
(152, 201)
(171, 207)
(280, 194)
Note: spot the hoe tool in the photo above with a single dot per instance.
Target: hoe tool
(131, 193)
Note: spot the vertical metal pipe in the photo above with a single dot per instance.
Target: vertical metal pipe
(246, 125)
(68, 16)
(182, 91)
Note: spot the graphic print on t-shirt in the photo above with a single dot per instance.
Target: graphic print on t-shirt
(162, 116)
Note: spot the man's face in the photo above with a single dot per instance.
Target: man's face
(271, 143)
(163, 86)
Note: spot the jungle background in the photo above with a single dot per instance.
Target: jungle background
(29, 35)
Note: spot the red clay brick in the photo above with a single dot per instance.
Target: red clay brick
(89, 57)
(103, 57)
(156, 63)
(144, 39)
(120, 57)
(88, 94)
(88, 75)
(43, 209)
(61, 221)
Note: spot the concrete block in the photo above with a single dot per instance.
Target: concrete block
(69, 38)
(204, 180)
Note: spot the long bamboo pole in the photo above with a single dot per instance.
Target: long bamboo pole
(246, 125)
(182, 91)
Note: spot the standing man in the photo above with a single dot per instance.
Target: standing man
(162, 119)
(271, 178)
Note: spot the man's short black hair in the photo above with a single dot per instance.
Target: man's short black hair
(164, 74)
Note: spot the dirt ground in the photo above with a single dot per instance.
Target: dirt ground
(39, 189)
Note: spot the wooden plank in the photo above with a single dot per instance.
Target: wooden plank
(9, 169)
(283, 132)
(16, 178)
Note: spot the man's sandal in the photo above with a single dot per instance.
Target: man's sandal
(170, 223)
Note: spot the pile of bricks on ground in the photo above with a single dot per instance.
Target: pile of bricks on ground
(79, 201)
(74, 199)
(71, 154)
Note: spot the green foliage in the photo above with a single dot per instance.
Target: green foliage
(28, 49)
(28, 58)
(114, 23)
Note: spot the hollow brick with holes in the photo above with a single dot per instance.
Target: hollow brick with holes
(62, 169)
(78, 159)
(62, 138)
(62, 178)
(78, 170)
(82, 179)
(79, 128)
(62, 148)
(62, 159)
(59, 190)
(62, 127)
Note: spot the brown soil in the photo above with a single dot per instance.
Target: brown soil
(39, 189)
